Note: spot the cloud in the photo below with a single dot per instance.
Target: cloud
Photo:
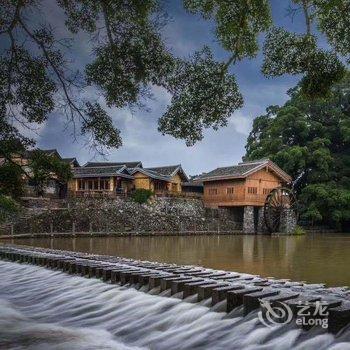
(241, 123)
(184, 34)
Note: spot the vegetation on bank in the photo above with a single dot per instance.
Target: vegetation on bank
(310, 140)
(141, 195)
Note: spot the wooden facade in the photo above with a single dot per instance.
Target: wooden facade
(119, 180)
(234, 188)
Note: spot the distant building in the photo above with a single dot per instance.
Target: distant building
(120, 178)
(245, 184)
(52, 187)
(240, 191)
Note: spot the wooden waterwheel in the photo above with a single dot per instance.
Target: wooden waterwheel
(279, 200)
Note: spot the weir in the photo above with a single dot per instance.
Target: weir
(230, 291)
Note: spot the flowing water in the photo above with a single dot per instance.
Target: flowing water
(42, 309)
(315, 258)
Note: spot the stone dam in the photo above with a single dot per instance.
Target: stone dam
(131, 304)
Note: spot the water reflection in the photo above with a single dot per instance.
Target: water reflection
(313, 258)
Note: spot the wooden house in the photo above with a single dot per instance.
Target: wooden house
(113, 179)
(245, 184)
(102, 179)
(160, 180)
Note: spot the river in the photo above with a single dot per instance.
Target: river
(315, 258)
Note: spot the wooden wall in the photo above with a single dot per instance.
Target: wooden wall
(176, 183)
(249, 191)
(143, 181)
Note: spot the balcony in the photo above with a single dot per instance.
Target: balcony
(238, 199)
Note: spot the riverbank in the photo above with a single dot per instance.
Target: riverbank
(122, 217)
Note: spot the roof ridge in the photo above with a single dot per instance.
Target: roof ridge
(163, 166)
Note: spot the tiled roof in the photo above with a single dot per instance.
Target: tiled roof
(49, 152)
(100, 171)
(164, 173)
(71, 161)
(152, 174)
(165, 170)
(242, 170)
(103, 164)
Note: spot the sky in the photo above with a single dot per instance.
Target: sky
(184, 34)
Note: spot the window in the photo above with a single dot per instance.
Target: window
(266, 190)
(252, 190)
(230, 190)
(81, 184)
(159, 186)
(104, 184)
(213, 191)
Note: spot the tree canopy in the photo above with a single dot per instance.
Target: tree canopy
(129, 55)
(311, 141)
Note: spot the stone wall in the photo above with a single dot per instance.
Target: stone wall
(120, 215)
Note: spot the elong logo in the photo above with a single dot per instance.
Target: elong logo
(307, 314)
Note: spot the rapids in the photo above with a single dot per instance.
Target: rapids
(43, 309)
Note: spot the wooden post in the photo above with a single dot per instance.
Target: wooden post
(73, 227)
(51, 227)
(12, 229)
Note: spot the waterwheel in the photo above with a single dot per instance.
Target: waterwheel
(279, 200)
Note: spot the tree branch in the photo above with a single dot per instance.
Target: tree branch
(16, 16)
(305, 5)
(107, 23)
(61, 78)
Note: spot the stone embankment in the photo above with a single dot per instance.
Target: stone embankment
(231, 289)
(122, 216)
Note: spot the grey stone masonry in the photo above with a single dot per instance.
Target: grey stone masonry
(248, 219)
(288, 222)
(261, 221)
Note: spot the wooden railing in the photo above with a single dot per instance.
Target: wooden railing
(240, 197)
(178, 194)
(98, 194)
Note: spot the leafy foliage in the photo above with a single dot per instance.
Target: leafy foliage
(291, 53)
(129, 55)
(8, 208)
(204, 95)
(310, 141)
(141, 195)
(44, 167)
(334, 22)
(238, 23)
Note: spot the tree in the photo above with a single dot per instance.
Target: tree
(129, 55)
(45, 167)
(311, 141)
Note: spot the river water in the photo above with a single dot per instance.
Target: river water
(315, 258)
(42, 309)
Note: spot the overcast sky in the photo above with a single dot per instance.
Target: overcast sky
(184, 34)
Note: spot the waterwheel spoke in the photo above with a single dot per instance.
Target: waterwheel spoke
(276, 202)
